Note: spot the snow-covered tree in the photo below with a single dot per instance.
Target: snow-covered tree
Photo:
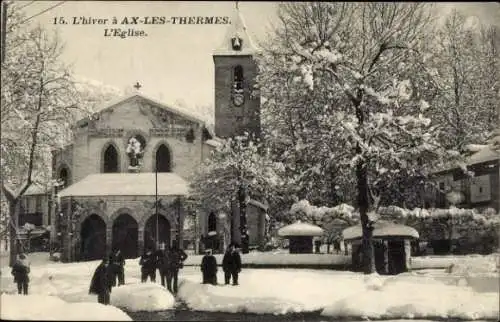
(365, 61)
(465, 68)
(39, 103)
(215, 184)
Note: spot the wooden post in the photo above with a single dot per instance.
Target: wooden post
(407, 254)
(386, 256)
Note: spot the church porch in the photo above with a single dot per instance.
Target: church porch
(103, 212)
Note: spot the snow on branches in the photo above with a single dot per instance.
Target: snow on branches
(236, 161)
(462, 222)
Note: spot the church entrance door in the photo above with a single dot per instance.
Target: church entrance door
(93, 238)
(125, 235)
(150, 231)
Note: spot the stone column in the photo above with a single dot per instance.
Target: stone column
(386, 256)
(180, 224)
(109, 239)
(67, 233)
(140, 242)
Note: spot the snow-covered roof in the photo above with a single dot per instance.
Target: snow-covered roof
(300, 229)
(213, 143)
(381, 229)
(190, 115)
(36, 189)
(127, 184)
(258, 204)
(237, 29)
(33, 189)
(484, 155)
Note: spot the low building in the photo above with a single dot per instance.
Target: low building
(392, 246)
(300, 236)
(479, 190)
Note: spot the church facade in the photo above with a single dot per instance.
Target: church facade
(124, 179)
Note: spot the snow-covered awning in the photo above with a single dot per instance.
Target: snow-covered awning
(33, 233)
(484, 155)
(381, 229)
(127, 184)
(300, 229)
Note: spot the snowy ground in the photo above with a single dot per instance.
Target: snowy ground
(469, 292)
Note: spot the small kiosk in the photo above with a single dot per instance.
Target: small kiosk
(392, 245)
(300, 236)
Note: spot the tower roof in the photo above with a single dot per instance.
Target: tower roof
(236, 31)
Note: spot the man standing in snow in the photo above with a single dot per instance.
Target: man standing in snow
(176, 258)
(231, 264)
(20, 271)
(209, 268)
(118, 267)
(148, 266)
(101, 283)
(163, 262)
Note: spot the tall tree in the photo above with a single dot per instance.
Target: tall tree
(465, 69)
(364, 59)
(39, 103)
(215, 184)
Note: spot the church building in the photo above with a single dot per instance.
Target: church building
(125, 175)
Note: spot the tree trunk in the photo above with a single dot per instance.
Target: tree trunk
(363, 204)
(13, 221)
(363, 195)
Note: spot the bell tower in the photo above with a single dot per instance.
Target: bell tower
(237, 102)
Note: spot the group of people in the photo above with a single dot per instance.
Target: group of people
(168, 261)
(231, 265)
(104, 279)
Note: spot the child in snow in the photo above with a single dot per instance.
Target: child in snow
(209, 268)
(20, 271)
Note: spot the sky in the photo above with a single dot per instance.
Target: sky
(173, 63)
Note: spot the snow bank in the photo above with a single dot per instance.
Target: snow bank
(271, 291)
(459, 264)
(142, 297)
(41, 307)
(344, 295)
(271, 258)
(400, 297)
(204, 298)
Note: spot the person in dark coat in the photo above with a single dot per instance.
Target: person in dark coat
(101, 283)
(148, 264)
(117, 262)
(176, 258)
(209, 268)
(231, 264)
(20, 271)
(163, 259)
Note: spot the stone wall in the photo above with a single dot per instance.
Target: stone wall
(76, 209)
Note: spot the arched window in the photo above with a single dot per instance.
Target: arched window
(212, 222)
(238, 77)
(163, 159)
(110, 160)
(64, 177)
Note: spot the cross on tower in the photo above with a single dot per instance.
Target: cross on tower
(137, 86)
